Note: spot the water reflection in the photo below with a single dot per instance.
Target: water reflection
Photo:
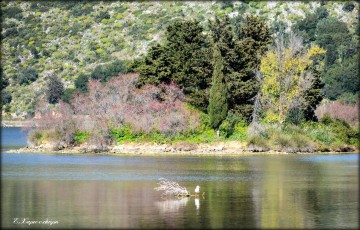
(249, 192)
(197, 203)
(172, 205)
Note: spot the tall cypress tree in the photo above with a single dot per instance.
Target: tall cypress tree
(218, 106)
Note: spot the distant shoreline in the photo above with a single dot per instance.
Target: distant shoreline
(15, 123)
(150, 149)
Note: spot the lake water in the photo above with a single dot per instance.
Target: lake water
(99, 191)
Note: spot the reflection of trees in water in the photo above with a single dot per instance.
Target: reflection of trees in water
(173, 211)
(172, 205)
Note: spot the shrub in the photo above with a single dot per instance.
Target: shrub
(301, 141)
(295, 116)
(55, 90)
(336, 110)
(35, 137)
(81, 83)
(283, 141)
(107, 71)
(117, 110)
(27, 76)
(5, 97)
(68, 95)
(258, 141)
(80, 136)
(348, 6)
(123, 134)
(227, 127)
(348, 98)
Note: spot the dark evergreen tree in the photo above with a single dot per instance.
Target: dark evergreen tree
(218, 106)
(81, 83)
(333, 36)
(27, 76)
(313, 96)
(55, 89)
(105, 72)
(306, 28)
(342, 78)
(257, 33)
(185, 58)
(241, 56)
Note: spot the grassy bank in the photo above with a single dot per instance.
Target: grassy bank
(325, 136)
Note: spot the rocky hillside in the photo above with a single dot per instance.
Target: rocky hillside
(67, 39)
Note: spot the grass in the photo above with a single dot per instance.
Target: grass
(327, 135)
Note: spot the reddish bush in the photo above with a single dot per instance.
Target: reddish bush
(336, 110)
(116, 103)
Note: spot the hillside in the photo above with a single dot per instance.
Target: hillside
(69, 39)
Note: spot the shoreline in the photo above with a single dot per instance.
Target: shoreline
(15, 123)
(150, 149)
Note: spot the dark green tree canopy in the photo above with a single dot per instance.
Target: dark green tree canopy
(342, 78)
(306, 28)
(27, 76)
(81, 83)
(185, 58)
(241, 56)
(333, 35)
(55, 89)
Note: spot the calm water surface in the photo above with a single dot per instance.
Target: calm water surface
(98, 191)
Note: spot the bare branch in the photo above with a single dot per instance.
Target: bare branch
(171, 188)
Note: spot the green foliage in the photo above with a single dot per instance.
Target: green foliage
(218, 105)
(27, 76)
(124, 134)
(342, 78)
(307, 27)
(80, 137)
(241, 56)
(54, 90)
(233, 126)
(68, 94)
(258, 141)
(295, 116)
(284, 78)
(184, 59)
(348, 98)
(330, 131)
(39, 135)
(312, 97)
(105, 72)
(35, 137)
(348, 6)
(333, 35)
(5, 97)
(81, 83)
(102, 15)
(12, 12)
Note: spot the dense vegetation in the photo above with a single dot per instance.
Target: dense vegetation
(199, 67)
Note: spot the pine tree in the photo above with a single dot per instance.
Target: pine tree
(218, 106)
(55, 89)
(185, 58)
(241, 56)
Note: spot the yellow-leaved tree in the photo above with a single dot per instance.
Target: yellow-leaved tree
(286, 76)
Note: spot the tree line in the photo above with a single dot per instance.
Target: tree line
(232, 70)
